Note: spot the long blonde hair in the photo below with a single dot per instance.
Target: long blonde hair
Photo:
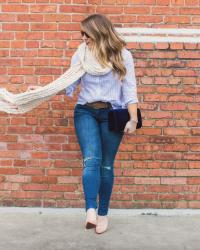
(106, 43)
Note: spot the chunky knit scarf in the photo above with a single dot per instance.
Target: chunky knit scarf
(24, 102)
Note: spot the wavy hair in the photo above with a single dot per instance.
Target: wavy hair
(106, 42)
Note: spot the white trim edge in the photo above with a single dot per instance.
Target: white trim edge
(171, 35)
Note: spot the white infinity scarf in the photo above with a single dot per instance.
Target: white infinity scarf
(28, 100)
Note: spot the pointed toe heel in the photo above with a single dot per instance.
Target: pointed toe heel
(101, 227)
(91, 219)
(90, 225)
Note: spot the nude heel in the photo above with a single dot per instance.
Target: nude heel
(102, 224)
(91, 219)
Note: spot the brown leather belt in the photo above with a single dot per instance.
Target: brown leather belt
(99, 105)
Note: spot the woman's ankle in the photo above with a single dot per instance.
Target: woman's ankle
(91, 209)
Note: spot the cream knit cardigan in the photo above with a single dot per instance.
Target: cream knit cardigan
(28, 100)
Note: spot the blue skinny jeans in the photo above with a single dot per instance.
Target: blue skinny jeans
(99, 147)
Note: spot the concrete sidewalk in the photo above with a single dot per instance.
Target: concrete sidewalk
(63, 229)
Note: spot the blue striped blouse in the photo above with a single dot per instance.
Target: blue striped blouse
(107, 87)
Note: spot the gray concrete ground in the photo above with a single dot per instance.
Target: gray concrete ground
(63, 229)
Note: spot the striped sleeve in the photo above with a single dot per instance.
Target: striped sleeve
(129, 88)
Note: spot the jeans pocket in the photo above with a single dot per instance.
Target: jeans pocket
(79, 109)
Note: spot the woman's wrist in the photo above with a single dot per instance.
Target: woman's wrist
(132, 108)
(134, 119)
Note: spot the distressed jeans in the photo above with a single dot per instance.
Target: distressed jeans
(99, 147)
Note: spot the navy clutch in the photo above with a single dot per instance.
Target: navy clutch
(117, 119)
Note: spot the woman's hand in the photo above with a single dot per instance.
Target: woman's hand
(33, 87)
(130, 126)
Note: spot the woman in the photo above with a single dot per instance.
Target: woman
(116, 89)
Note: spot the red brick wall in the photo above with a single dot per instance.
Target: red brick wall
(40, 159)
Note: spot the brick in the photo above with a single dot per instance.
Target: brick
(145, 196)
(143, 2)
(176, 131)
(180, 98)
(147, 180)
(193, 204)
(162, 139)
(192, 157)
(173, 180)
(189, 11)
(193, 181)
(30, 138)
(136, 10)
(15, 27)
(195, 19)
(185, 72)
(177, 19)
(162, 89)
(192, 3)
(156, 98)
(194, 164)
(161, 172)
(40, 155)
(6, 17)
(195, 131)
(189, 54)
(173, 106)
(44, 179)
(19, 179)
(164, 10)
(54, 139)
(158, 188)
(146, 46)
(123, 19)
(177, 2)
(33, 186)
(4, 44)
(132, 189)
(163, 2)
(8, 171)
(26, 195)
(43, 8)
(4, 121)
(163, 46)
(77, 9)
(30, 17)
(31, 121)
(58, 172)
(31, 171)
(151, 19)
(8, 154)
(43, 26)
(15, 8)
(69, 179)
(159, 115)
(135, 172)
(2, 178)
(62, 187)
(176, 46)
(194, 64)
(19, 163)
(168, 156)
(53, 195)
(174, 197)
(175, 148)
(19, 146)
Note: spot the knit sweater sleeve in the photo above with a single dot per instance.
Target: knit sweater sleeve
(129, 88)
(70, 89)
